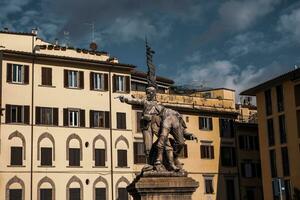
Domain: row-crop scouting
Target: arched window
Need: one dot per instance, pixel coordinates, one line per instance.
(74, 189)
(46, 189)
(100, 188)
(74, 150)
(122, 145)
(17, 148)
(121, 192)
(15, 189)
(99, 151)
(46, 149)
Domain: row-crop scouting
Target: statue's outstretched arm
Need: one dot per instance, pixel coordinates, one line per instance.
(131, 101)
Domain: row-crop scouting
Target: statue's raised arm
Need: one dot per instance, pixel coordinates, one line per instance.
(131, 101)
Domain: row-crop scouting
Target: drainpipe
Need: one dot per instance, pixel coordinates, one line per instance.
(110, 133)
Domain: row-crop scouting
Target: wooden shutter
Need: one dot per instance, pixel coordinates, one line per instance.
(65, 78)
(241, 142)
(212, 152)
(46, 76)
(118, 121)
(55, 116)
(37, 115)
(81, 80)
(106, 82)
(107, 119)
(135, 152)
(91, 118)
(210, 123)
(114, 82)
(202, 149)
(26, 114)
(127, 79)
(26, 74)
(92, 80)
(9, 72)
(122, 158)
(200, 123)
(243, 171)
(123, 120)
(82, 118)
(66, 123)
(7, 113)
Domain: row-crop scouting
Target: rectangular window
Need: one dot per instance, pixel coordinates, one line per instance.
(279, 95)
(74, 156)
(100, 193)
(139, 153)
(15, 194)
(271, 137)
(45, 194)
(297, 95)
(207, 152)
(47, 76)
(121, 120)
(122, 194)
(17, 73)
(16, 156)
(205, 123)
(230, 191)
(138, 121)
(99, 119)
(282, 130)
(228, 158)
(184, 152)
(46, 156)
(226, 128)
(99, 157)
(208, 185)
(248, 143)
(285, 161)
(121, 83)
(268, 102)
(74, 194)
(74, 118)
(46, 116)
(17, 114)
(250, 169)
(122, 158)
(273, 163)
(73, 79)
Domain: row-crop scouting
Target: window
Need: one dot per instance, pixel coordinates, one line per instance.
(228, 158)
(207, 152)
(271, 137)
(100, 193)
(248, 143)
(98, 81)
(45, 194)
(17, 114)
(15, 194)
(268, 102)
(230, 191)
(287, 189)
(17, 73)
(273, 163)
(99, 157)
(184, 152)
(74, 194)
(99, 119)
(138, 121)
(122, 158)
(74, 156)
(205, 123)
(122, 194)
(280, 102)
(121, 120)
(226, 128)
(46, 156)
(282, 130)
(46, 116)
(121, 83)
(208, 181)
(285, 161)
(74, 117)
(250, 169)
(73, 79)
(16, 156)
(46, 76)
(297, 94)
(139, 153)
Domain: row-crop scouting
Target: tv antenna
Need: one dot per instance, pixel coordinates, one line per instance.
(93, 45)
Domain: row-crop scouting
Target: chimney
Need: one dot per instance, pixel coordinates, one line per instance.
(34, 31)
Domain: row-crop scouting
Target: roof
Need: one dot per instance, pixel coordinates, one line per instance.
(143, 75)
(64, 58)
(291, 75)
(18, 33)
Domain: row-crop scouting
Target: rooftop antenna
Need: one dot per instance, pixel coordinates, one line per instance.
(67, 39)
(93, 45)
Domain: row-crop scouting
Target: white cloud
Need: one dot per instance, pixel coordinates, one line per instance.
(290, 24)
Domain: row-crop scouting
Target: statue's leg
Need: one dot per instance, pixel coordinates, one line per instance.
(170, 156)
(161, 144)
(148, 140)
(177, 133)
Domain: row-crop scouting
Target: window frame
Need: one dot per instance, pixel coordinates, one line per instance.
(72, 116)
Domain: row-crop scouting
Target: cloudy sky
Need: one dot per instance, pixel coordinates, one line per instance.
(234, 44)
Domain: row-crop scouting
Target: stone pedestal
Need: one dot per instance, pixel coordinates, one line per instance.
(161, 186)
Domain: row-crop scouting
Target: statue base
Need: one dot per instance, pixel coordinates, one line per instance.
(154, 185)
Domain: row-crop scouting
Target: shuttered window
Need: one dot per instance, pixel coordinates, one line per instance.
(73, 79)
(184, 152)
(226, 128)
(46, 156)
(45, 194)
(99, 157)
(99, 119)
(207, 151)
(139, 153)
(17, 114)
(15, 194)
(205, 123)
(121, 83)
(100, 193)
(74, 117)
(46, 76)
(228, 157)
(121, 120)
(98, 81)
(46, 116)
(209, 186)
(122, 158)
(16, 156)
(74, 157)
(17, 73)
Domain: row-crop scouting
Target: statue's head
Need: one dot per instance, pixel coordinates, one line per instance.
(151, 93)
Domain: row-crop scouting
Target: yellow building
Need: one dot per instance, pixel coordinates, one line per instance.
(64, 135)
(278, 106)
